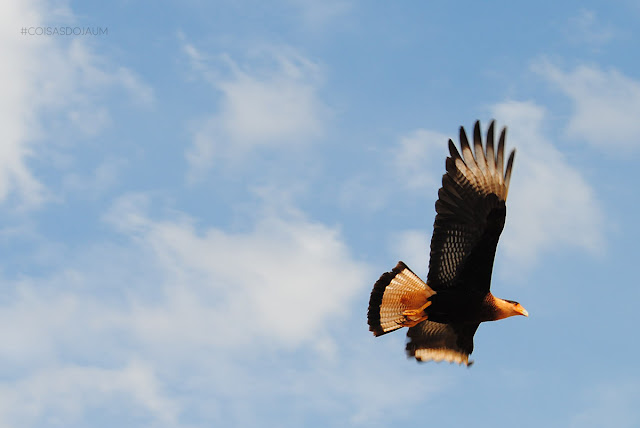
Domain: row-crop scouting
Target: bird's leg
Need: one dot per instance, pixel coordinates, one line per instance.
(415, 316)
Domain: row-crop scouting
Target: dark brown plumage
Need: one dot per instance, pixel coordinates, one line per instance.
(444, 314)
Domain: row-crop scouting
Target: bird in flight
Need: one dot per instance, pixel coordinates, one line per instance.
(444, 313)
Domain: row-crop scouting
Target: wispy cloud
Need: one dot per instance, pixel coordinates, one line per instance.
(550, 205)
(68, 393)
(606, 104)
(103, 177)
(412, 164)
(177, 302)
(418, 158)
(272, 273)
(585, 28)
(272, 101)
(316, 15)
(45, 77)
(412, 247)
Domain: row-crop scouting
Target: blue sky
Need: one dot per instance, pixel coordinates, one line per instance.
(196, 203)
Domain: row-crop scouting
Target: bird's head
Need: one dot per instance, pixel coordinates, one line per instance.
(509, 308)
(519, 310)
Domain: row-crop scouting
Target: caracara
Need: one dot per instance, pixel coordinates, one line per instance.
(444, 314)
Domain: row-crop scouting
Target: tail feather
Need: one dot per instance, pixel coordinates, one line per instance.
(393, 294)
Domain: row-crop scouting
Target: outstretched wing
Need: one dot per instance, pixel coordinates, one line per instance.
(441, 342)
(470, 214)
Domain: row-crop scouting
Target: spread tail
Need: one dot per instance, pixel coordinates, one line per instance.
(399, 299)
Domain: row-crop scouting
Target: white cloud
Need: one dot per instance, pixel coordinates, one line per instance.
(17, 73)
(271, 103)
(419, 155)
(414, 164)
(61, 395)
(606, 104)
(290, 273)
(368, 192)
(194, 304)
(585, 28)
(412, 247)
(316, 14)
(103, 177)
(50, 76)
(550, 204)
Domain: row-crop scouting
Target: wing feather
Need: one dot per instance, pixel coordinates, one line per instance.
(470, 214)
(507, 174)
(477, 148)
(441, 342)
(453, 150)
(467, 154)
(500, 154)
(491, 157)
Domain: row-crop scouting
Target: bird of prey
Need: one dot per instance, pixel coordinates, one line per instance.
(444, 313)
